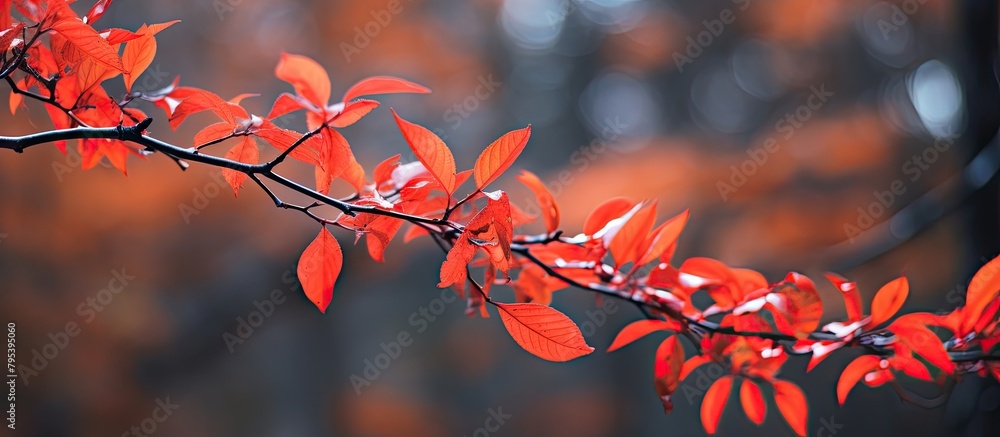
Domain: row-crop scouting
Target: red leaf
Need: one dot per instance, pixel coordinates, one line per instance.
(630, 238)
(282, 139)
(213, 132)
(284, 104)
(792, 404)
(691, 364)
(910, 330)
(803, 308)
(383, 85)
(245, 152)
(309, 79)
(5, 18)
(7, 36)
(888, 300)
(982, 290)
(499, 156)
(139, 53)
(852, 297)
(201, 100)
(640, 328)
(715, 402)
(353, 111)
(354, 174)
(495, 239)
(117, 36)
(454, 269)
(667, 369)
(753, 401)
(88, 41)
(319, 267)
(853, 373)
(663, 237)
(383, 171)
(605, 212)
(431, 151)
(335, 158)
(93, 15)
(543, 331)
(546, 202)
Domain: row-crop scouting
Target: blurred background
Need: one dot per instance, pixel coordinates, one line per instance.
(853, 136)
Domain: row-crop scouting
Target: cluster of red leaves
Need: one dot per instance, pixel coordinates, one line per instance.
(69, 70)
(749, 328)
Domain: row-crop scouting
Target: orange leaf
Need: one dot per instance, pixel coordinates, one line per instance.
(492, 230)
(383, 171)
(628, 241)
(691, 364)
(753, 401)
(803, 308)
(8, 35)
(543, 331)
(663, 237)
(245, 152)
(454, 269)
(715, 402)
(139, 53)
(88, 41)
(431, 151)
(383, 85)
(546, 202)
(853, 373)
(353, 111)
(852, 297)
(201, 100)
(982, 290)
(354, 174)
(285, 104)
(498, 156)
(640, 328)
(213, 132)
(282, 139)
(792, 404)
(667, 369)
(319, 267)
(888, 300)
(335, 157)
(605, 212)
(910, 330)
(95, 13)
(309, 79)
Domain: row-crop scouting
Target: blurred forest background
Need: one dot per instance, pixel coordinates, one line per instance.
(667, 100)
